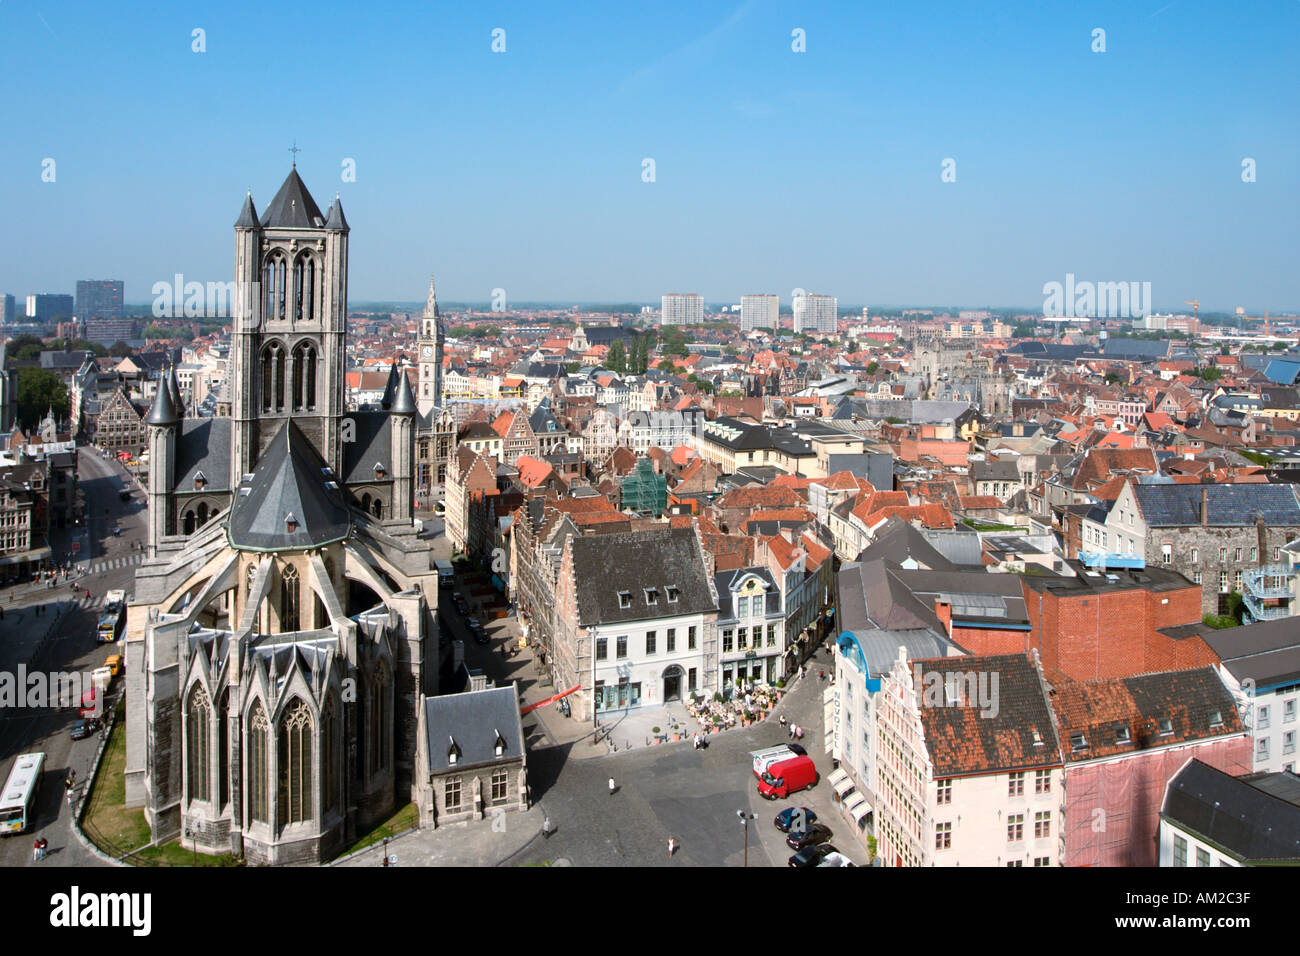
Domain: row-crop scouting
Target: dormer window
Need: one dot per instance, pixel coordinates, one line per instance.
(290, 523)
(1122, 735)
(673, 594)
(1216, 718)
(1078, 741)
(651, 596)
(500, 746)
(1166, 726)
(1038, 739)
(624, 598)
(379, 471)
(200, 480)
(453, 751)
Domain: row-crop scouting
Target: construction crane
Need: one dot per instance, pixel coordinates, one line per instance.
(1196, 307)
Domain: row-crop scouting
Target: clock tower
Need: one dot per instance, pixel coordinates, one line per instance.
(429, 348)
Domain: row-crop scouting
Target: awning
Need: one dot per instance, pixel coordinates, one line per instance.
(836, 778)
(857, 806)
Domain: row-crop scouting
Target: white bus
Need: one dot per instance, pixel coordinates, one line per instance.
(18, 800)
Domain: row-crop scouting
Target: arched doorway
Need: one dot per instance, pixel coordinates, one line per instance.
(672, 683)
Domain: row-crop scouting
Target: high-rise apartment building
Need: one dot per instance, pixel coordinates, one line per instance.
(815, 313)
(7, 308)
(48, 306)
(759, 312)
(678, 309)
(99, 299)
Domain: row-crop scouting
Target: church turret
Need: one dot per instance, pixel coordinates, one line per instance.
(162, 421)
(430, 347)
(402, 415)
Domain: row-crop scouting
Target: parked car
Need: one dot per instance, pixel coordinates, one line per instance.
(787, 777)
(84, 728)
(786, 817)
(834, 857)
(815, 834)
(812, 856)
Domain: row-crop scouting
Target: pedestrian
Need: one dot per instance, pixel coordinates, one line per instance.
(69, 796)
(546, 828)
(782, 720)
(672, 847)
(798, 733)
(790, 730)
(612, 788)
(45, 847)
(821, 675)
(36, 851)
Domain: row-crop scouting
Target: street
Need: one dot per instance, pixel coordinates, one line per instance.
(70, 618)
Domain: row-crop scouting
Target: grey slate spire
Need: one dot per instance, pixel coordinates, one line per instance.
(163, 411)
(335, 219)
(248, 215)
(174, 387)
(390, 388)
(403, 401)
(293, 206)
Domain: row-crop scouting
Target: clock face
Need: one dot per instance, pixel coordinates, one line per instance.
(428, 351)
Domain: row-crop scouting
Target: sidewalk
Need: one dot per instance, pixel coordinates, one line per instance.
(487, 842)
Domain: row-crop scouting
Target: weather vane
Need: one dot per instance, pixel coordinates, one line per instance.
(295, 150)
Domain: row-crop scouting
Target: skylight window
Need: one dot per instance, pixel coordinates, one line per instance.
(1078, 741)
(1216, 719)
(1122, 735)
(1166, 726)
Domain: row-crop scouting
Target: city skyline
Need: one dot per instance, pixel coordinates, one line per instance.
(524, 170)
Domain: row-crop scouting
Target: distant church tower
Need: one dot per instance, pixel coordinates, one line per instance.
(287, 353)
(430, 348)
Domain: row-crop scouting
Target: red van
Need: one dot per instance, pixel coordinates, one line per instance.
(787, 777)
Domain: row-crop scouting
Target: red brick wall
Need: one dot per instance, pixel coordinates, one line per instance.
(981, 640)
(1114, 634)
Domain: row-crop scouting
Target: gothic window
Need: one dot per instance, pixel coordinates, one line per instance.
(365, 503)
(203, 513)
(187, 523)
(273, 359)
(329, 760)
(273, 284)
(378, 508)
(223, 750)
(198, 744)
(288, 599)
(379, 724)
(304, 288)
(304, 377)
(258, 766)
(295, 764)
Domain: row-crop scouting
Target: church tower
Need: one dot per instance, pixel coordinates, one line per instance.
(287, 355)
(429, 347)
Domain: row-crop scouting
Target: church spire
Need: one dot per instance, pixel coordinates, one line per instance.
(431, 303)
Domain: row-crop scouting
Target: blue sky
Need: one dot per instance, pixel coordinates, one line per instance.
(522, 170)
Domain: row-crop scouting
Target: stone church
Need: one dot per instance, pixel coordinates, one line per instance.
(281, 637)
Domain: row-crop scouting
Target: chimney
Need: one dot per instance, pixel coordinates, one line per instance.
(943, 610)
(1205, 505)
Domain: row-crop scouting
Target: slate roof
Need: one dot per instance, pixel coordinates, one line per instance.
(474, 720)
(897, 540)
(1232, 505)
(964, 739)
(290, 479)
(1267, 652)
(724, 580)
(604, 565)
(293, 206)
(1255, 817)
(203, 446)
(372, 443)
(1123, 714)
(163, 411)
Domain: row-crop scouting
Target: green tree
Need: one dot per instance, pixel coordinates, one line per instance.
(24, 348)
(573, 367)
(616, 361)
(120, 349)
(39, 390)
(873, 368)
(1113, 378)
(1209, 374)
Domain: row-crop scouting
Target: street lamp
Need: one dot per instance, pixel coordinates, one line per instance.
(745, 818)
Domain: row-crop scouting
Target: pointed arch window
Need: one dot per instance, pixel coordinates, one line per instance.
(289, 599)
(379, 724)
(198, 745)
(223, 750)
(295, 788)
(258, 764)
(187, 522)
(305, 293)
(304, 377)
(329, 759)
(274, 275)
(273, 361)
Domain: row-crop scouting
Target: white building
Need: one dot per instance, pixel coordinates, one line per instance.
(815, 313)
(678, 309)
(759, 312)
